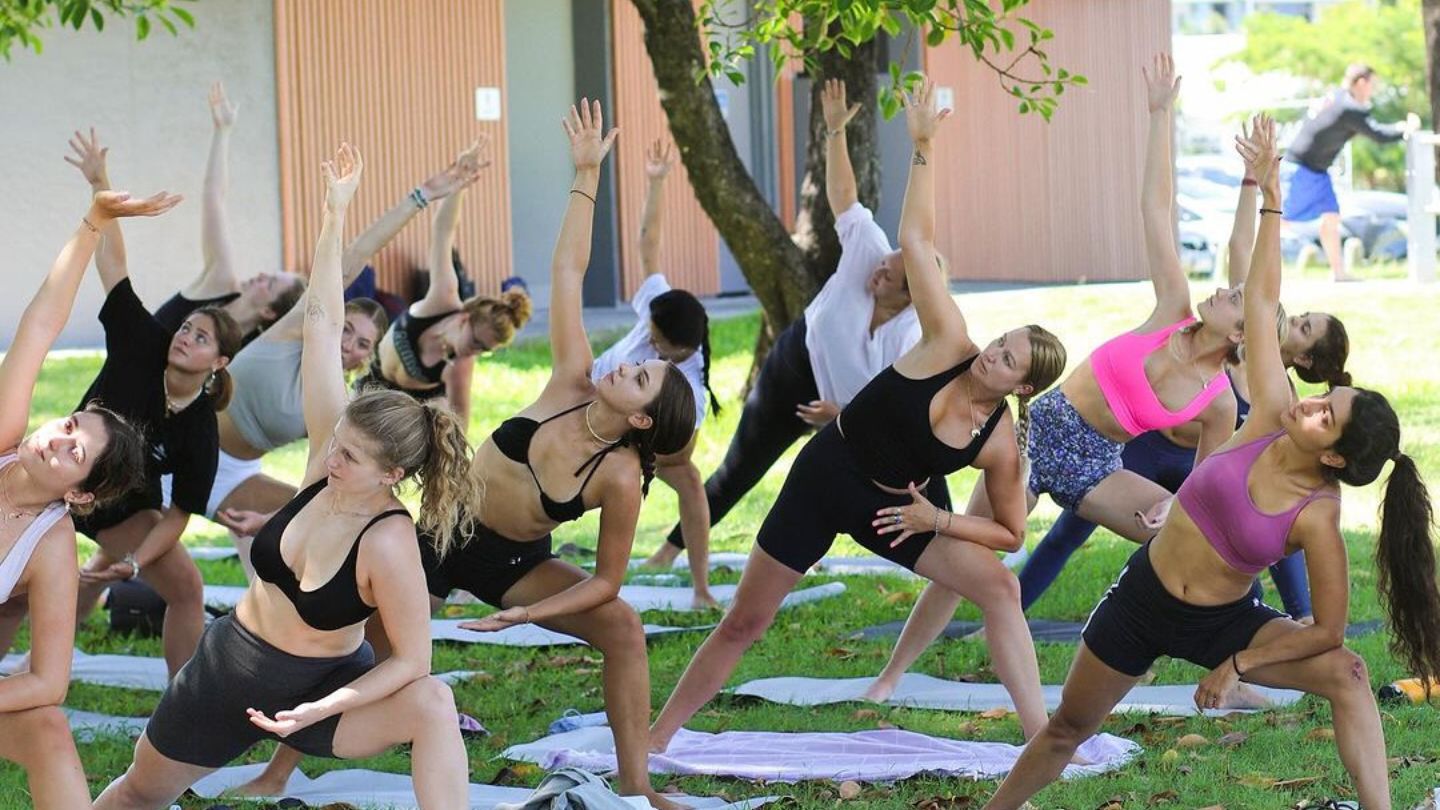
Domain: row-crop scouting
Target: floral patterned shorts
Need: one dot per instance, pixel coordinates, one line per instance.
(1068, 457)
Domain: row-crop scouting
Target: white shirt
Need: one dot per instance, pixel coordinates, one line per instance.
(636, 347)
(843, 353)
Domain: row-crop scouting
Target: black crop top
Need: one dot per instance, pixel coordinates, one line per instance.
(405, 334)
(513, 438)
(332, 606)
(887, 425)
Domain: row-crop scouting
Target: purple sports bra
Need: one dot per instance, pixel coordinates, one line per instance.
(1216, 496)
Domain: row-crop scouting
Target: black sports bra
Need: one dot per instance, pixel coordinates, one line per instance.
(332, 606)
(406, 333)
(888, 426)
(513, 438)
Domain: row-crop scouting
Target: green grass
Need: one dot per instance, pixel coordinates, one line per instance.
(1393, 351)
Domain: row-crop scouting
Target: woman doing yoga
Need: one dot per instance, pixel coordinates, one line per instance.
(859, 323)
(674, 327)
(1169, 371)
(940, 407)
(1270, 490)
(427, 351)
(68, 464)
(291, 662)
(1316, 346)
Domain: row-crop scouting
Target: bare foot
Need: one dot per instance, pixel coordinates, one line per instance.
(658, 745)
(659, 802)
(879, 690)
(704, 601)
(262, 785)
(1245, 696)
(663, 558)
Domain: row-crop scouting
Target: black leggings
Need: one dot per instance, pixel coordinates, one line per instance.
(768, 424)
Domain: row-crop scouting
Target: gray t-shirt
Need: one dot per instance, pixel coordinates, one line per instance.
(268, 406)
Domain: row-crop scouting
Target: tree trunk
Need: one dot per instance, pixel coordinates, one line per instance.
(1430, 18)
(783, 272)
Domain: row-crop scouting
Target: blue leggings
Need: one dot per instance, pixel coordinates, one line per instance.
(1155, 457)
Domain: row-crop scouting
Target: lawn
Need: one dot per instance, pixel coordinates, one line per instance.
(1393, 351)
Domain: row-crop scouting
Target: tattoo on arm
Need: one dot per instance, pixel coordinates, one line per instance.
(314, 310)
(919, 159)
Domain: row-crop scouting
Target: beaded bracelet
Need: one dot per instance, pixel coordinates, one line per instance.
(417, 196)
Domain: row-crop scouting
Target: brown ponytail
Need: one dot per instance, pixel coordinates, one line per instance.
(1328, 356)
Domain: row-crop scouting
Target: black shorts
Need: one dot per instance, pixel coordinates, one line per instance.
(826, 494)
(484, 562)
(201, 718)
(1137, 621)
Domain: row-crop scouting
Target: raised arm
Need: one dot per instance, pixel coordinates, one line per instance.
(443, 294)
(940, 320)
(45, 317)
(320, 370)
(1242, 232)
(91, 158)
(217, 276)
(1157, 197)
(589, 144)
(840, 188)
(658, 161)
(1264, 369)
(460, 174)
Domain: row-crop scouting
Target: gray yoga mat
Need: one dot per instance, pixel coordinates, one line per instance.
(1048, 630)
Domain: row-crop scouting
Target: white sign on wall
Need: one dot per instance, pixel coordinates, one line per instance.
(487, 104)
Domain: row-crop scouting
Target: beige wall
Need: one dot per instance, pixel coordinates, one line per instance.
(148, 102)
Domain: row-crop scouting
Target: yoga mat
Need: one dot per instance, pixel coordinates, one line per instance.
(374, 789)
(89, 725)
(926, 692)
(828, 565)
(1050, 630)
(882, 755)
(640, 597)
(212, 552)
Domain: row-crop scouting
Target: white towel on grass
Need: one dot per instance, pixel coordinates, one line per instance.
(374, 789)
(212, 552)
(926, 692)
(882, 755)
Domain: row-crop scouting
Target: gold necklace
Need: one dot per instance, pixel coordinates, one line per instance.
(8, 514)
(170, 405)
(970, 398)
(1190, 365)
(591, 428)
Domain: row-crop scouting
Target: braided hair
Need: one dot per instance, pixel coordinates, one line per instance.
(672, 415)
(682, 320)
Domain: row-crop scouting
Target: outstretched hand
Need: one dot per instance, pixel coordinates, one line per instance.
(243, 522)
(832, 102)
(289, 721)
(342, 177)
(1257, 147)
(461, 173)
(1161, 83)
(499, 620)
(108, 205)
(222, 111)
(659, 159)
(585, 127)
(921, 117)
(917, 516)
(89, 158)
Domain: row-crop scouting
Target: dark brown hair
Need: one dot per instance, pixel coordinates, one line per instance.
(1405, 553)
(120, 467)
(284, 301)
(1328, 356)
(228, 342)
(672, 412)
(682, 319)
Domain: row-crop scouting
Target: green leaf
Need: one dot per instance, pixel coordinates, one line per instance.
(935, 37)
(1024, 107)
(97, 18)
(169, 26)
(1008, 37)
(142, 27)
(184, 16)
(1076, 78)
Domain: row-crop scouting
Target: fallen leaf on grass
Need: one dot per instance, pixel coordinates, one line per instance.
(865, 714)
(1214, 807)
(849, 790)
(1170, 755)
(1322, 734)
(1192, 741)
(994, 714)
(1256, 780)
(1232, 739)
(1297, 782)
(899, 596)
(1163, 797)
(944, 803)
(843, 653)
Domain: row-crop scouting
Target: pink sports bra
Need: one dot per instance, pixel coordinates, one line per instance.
(1216, 496)
(1119, 366)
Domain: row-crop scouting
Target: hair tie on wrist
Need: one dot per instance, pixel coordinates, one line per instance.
(1276, 211)
(1249, 181)
(583, 194)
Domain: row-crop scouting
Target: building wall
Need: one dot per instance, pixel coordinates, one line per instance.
(1023, 200)
(540, 72)
(690, 248)
(399, 81)
(147, 101)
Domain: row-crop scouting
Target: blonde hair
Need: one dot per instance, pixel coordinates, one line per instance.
(1047, 363)
(427, 441)
(506, 314)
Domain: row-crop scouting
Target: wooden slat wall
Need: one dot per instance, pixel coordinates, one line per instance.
(690, 247)
(397, 80)
(1020, 199)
